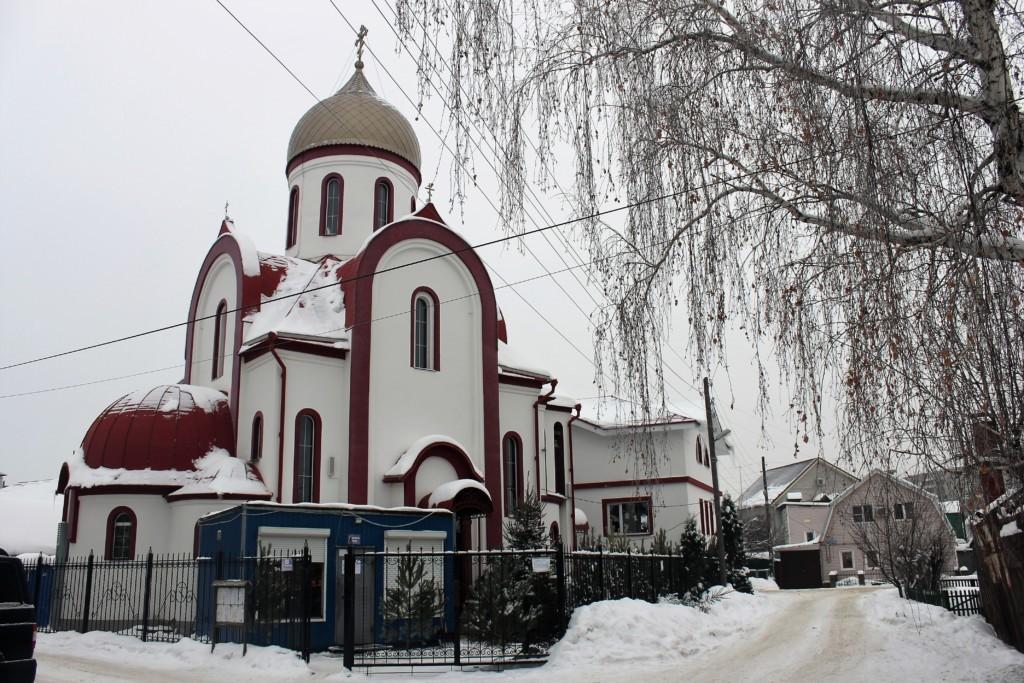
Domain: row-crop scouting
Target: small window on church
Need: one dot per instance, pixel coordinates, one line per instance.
(425, 322)
(330, 203)
(512, 466)
(293, 218)
(220, 334)
(121, 526)
(256, 446)
(307, 458)
(559, 459)
(383, 203)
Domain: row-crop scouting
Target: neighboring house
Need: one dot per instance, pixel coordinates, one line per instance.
(367, 365)
(884, 522)
(798, 494)
(618, 493)
(949, 488)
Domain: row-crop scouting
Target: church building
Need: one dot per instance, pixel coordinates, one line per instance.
(368, 365)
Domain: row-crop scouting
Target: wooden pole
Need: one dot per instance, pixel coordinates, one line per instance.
(719, 537)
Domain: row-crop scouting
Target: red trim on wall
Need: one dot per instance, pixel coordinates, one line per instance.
(357, 281)
(72, 507)
(514, 436)
(282, 402)
(555, 498)
(220, 496)
(559, 409)
(352, 150)
(125, 489)
(318, 430)
(297, 345)
(605, 502)
(109, 544)
(377, 223)
(247, 298)
(450, 453)
(323, 203)
(522, 381)
(435, 307)
(644, 482)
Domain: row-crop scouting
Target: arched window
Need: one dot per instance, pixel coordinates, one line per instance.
(559, 459)
(307, 458)
(412, 204)
(425, 336)
(256, 443)
(121, 528)
(512, 469)
(383, 203)
(293, 218)
(220, 334)
(330, 205)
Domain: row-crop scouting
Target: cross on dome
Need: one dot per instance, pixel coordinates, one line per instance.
(360, 44)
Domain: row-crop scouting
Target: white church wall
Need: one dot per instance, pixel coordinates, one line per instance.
(260, 391)
(359, 175)
(183, 515)
(432, 473)
(516, 415)
(221, 284)
(151, 515)
(319, 384)
(407, 403)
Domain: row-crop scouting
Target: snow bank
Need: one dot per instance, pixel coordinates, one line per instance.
(763, 584)
(29, 513)
(626, 631)
(920, 638)
(225, 663)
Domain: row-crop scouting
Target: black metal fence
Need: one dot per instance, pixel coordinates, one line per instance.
(405, 608)
(170, 597)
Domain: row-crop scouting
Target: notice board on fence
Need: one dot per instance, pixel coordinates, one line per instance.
(230, 602)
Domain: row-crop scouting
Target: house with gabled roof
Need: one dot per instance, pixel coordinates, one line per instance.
(799, 494)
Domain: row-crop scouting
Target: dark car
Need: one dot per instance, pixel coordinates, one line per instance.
(17, 624)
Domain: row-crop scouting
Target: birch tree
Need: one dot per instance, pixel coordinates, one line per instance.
(842, 180)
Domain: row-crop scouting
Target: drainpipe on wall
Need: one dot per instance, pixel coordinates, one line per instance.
(536, 430)
(272, 339)
(572, 477)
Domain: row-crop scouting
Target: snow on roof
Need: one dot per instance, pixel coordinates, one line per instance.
(807, 545)
(777, 478)
(218, 472)
(250, 257)
(407, 459)
(162, 401)
(562, 401)
(29, 513)
(450, 489)
(609, 412)
(510, 360)
(951, 506)
(318, 313)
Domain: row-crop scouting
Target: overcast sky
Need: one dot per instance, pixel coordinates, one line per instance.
(125, 126)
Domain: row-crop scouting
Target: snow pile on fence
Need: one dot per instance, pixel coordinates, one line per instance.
(622, 631)
(29, 513)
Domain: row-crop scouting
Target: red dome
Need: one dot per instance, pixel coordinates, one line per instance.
(165, 428)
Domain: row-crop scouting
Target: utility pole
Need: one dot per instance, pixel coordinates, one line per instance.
(767, 512)
(720, 538)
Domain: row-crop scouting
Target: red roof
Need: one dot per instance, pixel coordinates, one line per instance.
(164, 428)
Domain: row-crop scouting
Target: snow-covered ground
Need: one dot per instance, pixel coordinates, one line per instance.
(842, 635)
(29, 513)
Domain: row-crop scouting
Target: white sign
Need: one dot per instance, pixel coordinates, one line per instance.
(286, 564)
(541, 564)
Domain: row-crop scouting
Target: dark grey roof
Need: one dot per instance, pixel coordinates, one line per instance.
(778, 478)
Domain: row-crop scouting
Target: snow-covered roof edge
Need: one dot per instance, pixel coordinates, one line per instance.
(407, 459)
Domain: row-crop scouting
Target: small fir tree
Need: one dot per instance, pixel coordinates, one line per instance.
(735, 553)
(412, 603)
(525, 528)
(693, 548)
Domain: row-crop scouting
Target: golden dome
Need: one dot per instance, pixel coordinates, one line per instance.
(355, 115)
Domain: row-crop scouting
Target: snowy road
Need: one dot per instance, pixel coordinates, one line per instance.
(843, 636)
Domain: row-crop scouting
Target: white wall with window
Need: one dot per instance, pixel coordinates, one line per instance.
(213, 338)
